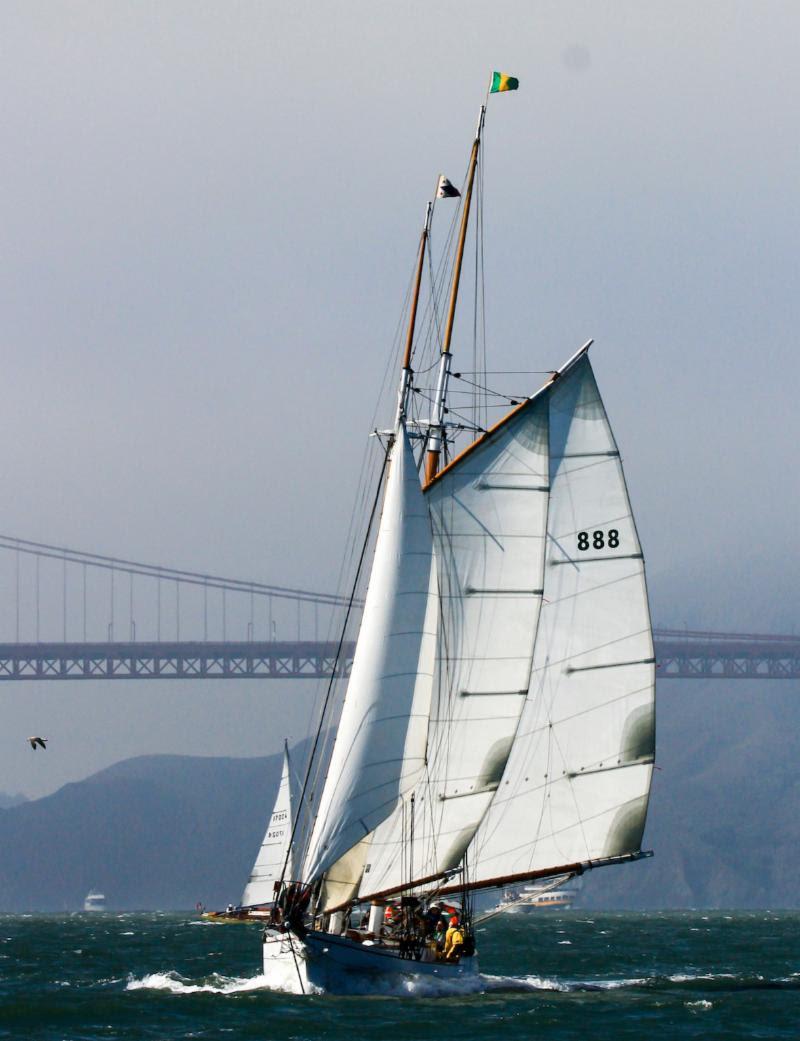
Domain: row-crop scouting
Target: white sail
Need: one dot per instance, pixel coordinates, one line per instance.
(489, 511)
(380, 744)
(271, 859)
(577, 782)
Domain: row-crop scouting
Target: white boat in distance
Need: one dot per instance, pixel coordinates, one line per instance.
(498, 723)
(94, 901)
(535, 898)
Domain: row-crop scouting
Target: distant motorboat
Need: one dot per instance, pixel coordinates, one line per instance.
(536, 898)
(94, 901)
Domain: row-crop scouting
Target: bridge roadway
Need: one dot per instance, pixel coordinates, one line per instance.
(680, 654)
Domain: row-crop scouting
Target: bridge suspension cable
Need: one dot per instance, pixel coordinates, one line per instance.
(134, 567)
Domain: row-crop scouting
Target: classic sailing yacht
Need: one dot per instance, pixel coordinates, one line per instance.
(498, 724)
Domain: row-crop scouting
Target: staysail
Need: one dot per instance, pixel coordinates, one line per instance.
(577, 783)
(489, 512)
(271, 859)
(380, 744)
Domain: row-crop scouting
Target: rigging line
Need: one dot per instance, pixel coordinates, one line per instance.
(487, 390)
(475, 290)
(437, 282)
(435, 273)
(366, 469)
(336, 661)
(510, 372)
(433, 293)
(468, 423)
(483, 274)
(296, 966)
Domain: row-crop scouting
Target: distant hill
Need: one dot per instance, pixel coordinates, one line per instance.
(151, 832)
(166, 831)
(724, 818)
(7, 799)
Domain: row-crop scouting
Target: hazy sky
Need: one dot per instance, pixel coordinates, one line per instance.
(209, 216)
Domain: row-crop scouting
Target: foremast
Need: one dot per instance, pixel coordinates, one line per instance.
(407, 373)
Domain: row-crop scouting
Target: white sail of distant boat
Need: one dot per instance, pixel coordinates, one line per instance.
(275, 855)
(498, 725)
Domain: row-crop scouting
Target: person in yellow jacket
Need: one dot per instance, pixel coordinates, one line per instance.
(453, 941)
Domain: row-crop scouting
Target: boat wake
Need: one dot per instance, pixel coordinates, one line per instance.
(427, 987)
(216, 983)
(412, 987)
(416, 987)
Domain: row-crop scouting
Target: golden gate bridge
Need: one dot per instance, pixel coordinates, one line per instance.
(81, 616)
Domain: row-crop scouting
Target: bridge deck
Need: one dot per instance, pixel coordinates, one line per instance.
(686, 655)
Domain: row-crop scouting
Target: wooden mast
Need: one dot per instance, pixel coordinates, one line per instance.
(436, 435)
(405, 378)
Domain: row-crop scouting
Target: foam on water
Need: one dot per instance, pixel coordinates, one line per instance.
(214, 984)
(431, 987)
(412, 986)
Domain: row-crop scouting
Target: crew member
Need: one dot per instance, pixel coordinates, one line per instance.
(453, 941)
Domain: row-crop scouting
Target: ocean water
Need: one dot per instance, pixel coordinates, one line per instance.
(553, 975)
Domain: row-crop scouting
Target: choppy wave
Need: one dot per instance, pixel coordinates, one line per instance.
(213, 984)
(429, 987)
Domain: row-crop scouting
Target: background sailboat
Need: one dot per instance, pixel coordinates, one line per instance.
(276, 854)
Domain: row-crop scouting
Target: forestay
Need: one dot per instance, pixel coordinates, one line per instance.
(577, 782)
(380, 744)
(488, 511)
(269, 865)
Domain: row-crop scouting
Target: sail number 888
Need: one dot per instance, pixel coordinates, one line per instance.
(599, 539)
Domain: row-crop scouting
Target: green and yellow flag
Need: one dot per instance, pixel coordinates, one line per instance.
(502, 81)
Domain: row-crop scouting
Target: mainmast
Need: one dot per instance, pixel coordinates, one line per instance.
(436, 434)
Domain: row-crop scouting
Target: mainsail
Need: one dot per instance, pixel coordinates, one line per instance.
(577, 782)
(380, 744)
(272, 857)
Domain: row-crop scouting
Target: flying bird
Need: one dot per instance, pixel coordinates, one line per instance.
(40, 741)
